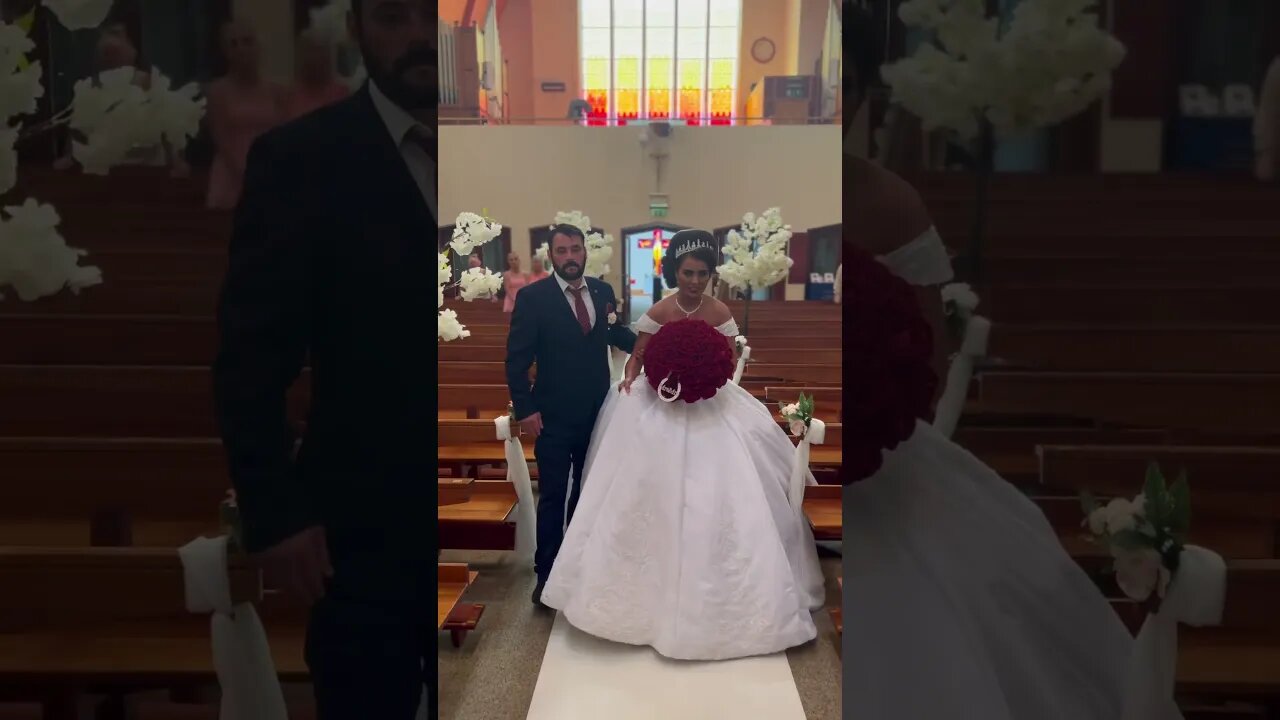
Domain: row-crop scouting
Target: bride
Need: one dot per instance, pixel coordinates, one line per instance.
(683, 538)
(962, 602)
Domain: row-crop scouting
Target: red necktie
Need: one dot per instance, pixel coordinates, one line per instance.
(580, 307)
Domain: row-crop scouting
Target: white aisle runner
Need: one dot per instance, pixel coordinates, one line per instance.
(586, 678)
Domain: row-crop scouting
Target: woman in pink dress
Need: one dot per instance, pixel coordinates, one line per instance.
(512, 281)
(316, 84)
(242, 106)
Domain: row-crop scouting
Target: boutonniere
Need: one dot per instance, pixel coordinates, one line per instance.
(612, 316)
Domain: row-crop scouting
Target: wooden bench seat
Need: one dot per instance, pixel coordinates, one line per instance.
(1236, 402)
(1128, 305)
(484, 522)
(452, 582)
(1137, 348)
(55, 339)
(116, 617)
(822, 505)
(120, 401)
(110, 491)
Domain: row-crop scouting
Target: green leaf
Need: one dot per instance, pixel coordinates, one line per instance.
(1154, 492)
(1180, 514)
(1088, 503)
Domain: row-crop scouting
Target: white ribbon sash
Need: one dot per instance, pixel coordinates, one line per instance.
(742, 362)
(1195, 597)
(977, 332)
(816, 434)
(518, 475)
(241, 655)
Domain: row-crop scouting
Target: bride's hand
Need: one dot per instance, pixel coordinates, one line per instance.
(625, 385)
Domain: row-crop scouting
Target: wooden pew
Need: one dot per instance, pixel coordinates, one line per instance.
(484, 521)
(121, 401)
(1137, 348)
(110, 491)
(452, 614)
(171, 297)
(822, 505)
(1128, 305)
(115, 619)
(55, 339)
(1229, 402)
(1118, 268)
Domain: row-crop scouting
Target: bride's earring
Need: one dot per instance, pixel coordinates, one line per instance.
(663, 390)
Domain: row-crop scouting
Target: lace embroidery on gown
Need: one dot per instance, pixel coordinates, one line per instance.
(647, 324)
(923, 261)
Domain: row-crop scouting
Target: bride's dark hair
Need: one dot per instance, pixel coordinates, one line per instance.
(671, 259)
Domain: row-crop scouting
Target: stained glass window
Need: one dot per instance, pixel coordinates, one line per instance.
(660, 59)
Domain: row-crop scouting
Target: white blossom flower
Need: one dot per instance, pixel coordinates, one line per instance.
(543, 254)
(34, 258)
(443, 276)
(479, 283)
(962, 295)
(1098, 521)
(599, 251)
(755, 256)
(448, 328)
(470, 231)
(612, 318)
(1050, 63)
(174, 113)
(1140, 572)
(789, 410)
(79, 14)
(1119, 515)
(20, 87)
(329, 21)
(14, 47)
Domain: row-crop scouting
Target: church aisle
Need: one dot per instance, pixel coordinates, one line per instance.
(584, 677)
(495, 674)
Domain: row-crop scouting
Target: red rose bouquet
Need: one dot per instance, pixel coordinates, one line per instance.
(889, 348)
(688, 355)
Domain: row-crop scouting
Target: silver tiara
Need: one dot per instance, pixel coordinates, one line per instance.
(695, 245)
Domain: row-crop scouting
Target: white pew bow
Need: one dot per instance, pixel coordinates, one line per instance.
(241, 655)
(800, 476)
(518, 475)
(1195, 597)
(977, 332)
(743, 357)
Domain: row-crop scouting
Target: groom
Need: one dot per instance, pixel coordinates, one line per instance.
(565, 323)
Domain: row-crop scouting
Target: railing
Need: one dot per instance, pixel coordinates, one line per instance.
(448, 64)
(703, 122)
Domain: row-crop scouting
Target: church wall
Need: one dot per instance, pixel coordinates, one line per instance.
(551, 35)
(522, 175)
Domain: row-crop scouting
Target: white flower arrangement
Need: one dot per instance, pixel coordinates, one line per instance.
(479, 284)
(599, 246)
(111, 118)
(797, 414)
(755, 257)
(1145, 536)
(1051, 62)
(470, 231)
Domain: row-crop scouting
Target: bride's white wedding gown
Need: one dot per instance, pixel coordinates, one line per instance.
(683, 538)
(960, 601)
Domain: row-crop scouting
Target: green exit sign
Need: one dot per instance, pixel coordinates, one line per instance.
(658, 211)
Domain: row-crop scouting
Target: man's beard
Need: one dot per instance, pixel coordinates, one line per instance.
(569, 271)
(392, 84)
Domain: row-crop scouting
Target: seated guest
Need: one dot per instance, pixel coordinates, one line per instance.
(317, 83)
(242, 105)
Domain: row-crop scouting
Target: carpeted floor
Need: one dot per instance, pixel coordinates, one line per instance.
(492, 676)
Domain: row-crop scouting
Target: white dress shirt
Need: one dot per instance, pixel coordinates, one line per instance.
(573, 303)
(400, 123)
